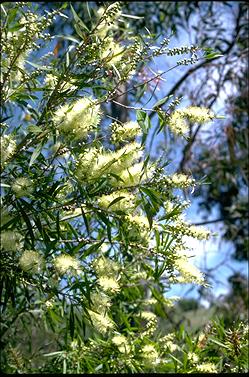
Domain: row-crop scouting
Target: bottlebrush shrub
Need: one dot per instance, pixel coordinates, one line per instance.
(91, 228)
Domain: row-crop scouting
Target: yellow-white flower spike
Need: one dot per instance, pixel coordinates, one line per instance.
(178, 124)
(150, 301)
(124, 132)
(133, 176)
(77, 120)
(149, 353)
(193, 357)
(102, 323)
(51, 81)
(179, 181)
(199, 232)
(138, 229)
(122, 158)
(182, 227)
(94, 163)
(171, 346)
(105, 267)
(108, 284)
(189, 273)
(149, 316)
(111, 52)
(128, 154)
(85, 163)
(22, 187)
(67, 264)
(121, 342)
(206, 368)
(10, 240)
(177, 120)
(151, 324)
(31, 261)
(126, 202)
(101, 302)
(198, 114)
(7, 148)
(107, 19)
(140, 221)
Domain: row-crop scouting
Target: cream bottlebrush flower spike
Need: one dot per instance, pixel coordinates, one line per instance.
(179, 181)
(76, 121)
(51, 81)
(177, 123)
(31, 261)
(17, 41)
(133, 175)
(86, 160)
(189, 273)
(138, 229)
(127, 156)
(198, 114)
(95, 162)
(7, 148)
(124, 132)
(150, 353)
(67, 264)
(101, 322)
(101, 302)
(125, 204)
(10, 240)
(107, 272)
(151, 324)
(206, 368)
(111, 52)
(22, 187)
(108, 284)
(177, 120)
(121, 342)
(105, 266)
(107, 18)
(182, 227)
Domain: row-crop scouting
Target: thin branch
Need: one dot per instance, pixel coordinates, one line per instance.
(218, 220)
(132, 107)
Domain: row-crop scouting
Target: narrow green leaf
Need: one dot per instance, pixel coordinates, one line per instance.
(218, 343)
(107, 223)
(71, 322)
(42, 67)
(34, 129)
(213, 55)
(115, 201)
(78, 19)
(27, 221)
(67, 37)
(88, 10)
(67, 59)
(141, 115)
(35, 153)
(116, 70)
(162, 101)
(64, 366)
(149, 214)
(131, 16)
(85, 221)
(56, 353)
